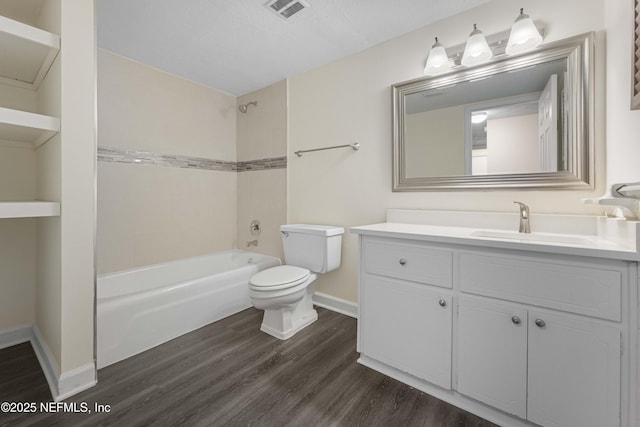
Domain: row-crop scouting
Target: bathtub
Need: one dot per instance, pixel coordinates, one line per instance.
(141, 308)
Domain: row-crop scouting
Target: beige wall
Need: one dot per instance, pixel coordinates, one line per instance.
(17, 272)
(49, 187)
(18, 175)
(17, 236)
(350, 101)
(146, 213)
(48, 295)
(434, 143)
(78, 167)
(262, 194)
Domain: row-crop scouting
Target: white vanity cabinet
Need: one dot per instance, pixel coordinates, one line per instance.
(565, 366)
(406, 311)
(408, 326)
(492, 354)
(552, 369)
(518, 336)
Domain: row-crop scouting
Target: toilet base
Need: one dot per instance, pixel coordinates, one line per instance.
(284, 334)
(285, 321)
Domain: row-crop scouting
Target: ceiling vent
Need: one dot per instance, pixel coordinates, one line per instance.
(286, 8)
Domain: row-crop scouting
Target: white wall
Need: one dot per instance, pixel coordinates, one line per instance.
(149, 214)
(350, 101)
(506, 154)
(623, 125)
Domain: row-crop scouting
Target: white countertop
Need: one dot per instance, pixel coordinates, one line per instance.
(590, 245)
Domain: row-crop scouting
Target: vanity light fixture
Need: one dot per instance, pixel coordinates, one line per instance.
(437, 61)
(477, 49)
(477, 118)
(524, 35)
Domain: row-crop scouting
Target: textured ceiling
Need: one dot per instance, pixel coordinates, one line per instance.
(239, 46)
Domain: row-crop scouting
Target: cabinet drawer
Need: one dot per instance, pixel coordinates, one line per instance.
(408, 261)
(576, 289)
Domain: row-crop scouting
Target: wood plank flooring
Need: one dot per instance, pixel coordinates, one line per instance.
(231, 374)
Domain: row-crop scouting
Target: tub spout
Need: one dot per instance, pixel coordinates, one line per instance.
(252, 243)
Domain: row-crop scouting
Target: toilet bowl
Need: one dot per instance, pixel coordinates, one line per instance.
(285, 292)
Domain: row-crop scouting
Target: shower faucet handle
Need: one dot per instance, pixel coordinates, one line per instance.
(255, 227)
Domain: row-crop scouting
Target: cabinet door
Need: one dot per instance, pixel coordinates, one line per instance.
(574, 372)
(408, 327)
(492, 354)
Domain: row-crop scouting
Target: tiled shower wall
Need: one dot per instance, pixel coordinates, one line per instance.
(262, 192)
(170, 175)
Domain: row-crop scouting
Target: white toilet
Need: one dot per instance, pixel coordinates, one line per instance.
(285, 292)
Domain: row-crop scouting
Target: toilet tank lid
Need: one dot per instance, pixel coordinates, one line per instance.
(323, 230)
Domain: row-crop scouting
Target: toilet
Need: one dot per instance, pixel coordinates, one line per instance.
(285, 292)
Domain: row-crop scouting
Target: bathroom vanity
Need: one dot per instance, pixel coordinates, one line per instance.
(538, 329)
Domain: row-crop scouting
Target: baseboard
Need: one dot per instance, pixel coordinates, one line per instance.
(336, 304)
(48, 363)
(15, 336)
(76, 380)
(70, 382)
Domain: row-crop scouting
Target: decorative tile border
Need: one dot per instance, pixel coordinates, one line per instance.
(117, 155)
(262, 164)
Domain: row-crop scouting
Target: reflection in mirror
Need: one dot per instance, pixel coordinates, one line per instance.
(519, 119)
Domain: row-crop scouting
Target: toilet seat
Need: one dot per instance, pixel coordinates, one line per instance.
(278, 278)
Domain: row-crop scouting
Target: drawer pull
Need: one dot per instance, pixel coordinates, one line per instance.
(442, 303)
(403, 261)
(515, 320)
(540, 323)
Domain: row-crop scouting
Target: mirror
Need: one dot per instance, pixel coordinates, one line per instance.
(516, 122)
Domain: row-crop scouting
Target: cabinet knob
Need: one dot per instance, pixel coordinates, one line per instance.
(540, 323)
(442, 303)
(403, 261)
(515, 320)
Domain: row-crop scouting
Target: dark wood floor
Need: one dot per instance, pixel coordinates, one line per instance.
(231, 374)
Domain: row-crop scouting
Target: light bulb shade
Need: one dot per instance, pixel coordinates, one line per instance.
(437, 61)
(477, 50)
(524, 36)
(477, 118)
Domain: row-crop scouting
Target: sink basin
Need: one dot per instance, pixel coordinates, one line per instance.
(532, 237)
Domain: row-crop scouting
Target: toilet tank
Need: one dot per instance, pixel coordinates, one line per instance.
(315, 247)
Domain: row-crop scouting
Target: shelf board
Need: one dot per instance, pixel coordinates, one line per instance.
(29, 209)
(27, 53)
(24, 127)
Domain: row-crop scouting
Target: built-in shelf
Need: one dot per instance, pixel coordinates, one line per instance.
(29, 209)
(24, 127)
(27, 53)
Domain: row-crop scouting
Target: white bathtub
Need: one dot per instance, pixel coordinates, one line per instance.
(140, 308)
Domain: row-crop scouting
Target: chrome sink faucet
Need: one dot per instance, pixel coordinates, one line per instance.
(525, 226)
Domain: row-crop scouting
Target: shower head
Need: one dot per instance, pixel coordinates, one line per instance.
(243, 108)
